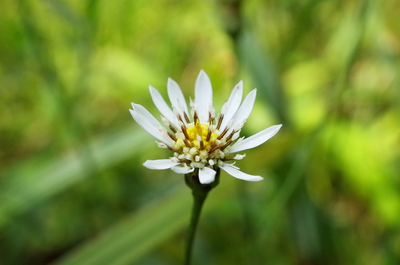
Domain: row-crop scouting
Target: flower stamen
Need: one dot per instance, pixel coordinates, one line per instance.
(183, 128)
(221, 117)
(228, 158)
(187, 143)
(208, 134)
(226, 145)
(172, 137)
(210, 118)
(223, 133)
(172, 149)
(215, 147)
(195, 117)
(172, 128)
(186, 117)
(180, 118)
(201, 143)
(230, 135)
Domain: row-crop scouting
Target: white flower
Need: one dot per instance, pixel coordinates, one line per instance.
(199, 139)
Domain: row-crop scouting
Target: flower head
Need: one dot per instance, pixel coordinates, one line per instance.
(199, 139)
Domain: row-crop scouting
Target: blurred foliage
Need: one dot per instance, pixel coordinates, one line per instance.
(72, 186)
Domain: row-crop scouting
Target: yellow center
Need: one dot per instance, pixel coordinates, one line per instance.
(196, 134)
(200, 132)
(198, 145)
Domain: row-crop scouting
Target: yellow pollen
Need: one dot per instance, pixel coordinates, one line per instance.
(198, 129)
(199, 145)
(199, 132)
(196, 133)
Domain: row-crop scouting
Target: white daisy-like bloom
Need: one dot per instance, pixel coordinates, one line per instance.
(199, 139)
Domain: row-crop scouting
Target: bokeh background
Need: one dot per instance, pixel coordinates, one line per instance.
(72, 186)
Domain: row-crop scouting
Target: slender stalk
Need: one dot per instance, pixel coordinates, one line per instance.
(200, 192)
(198, 201)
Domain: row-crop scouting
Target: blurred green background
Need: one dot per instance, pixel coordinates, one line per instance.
(72, 186)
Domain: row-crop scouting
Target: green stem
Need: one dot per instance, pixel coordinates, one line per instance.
(200, 192)
(198, 200)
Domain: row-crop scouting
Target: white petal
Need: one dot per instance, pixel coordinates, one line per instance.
(159, 164)
(203, 96)
(176, 96)
(182, 170)
(232, 104)
(144, 118)
(245, 109)
(162, 106)
(255, 140)
(235, 172)
(206, 175)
